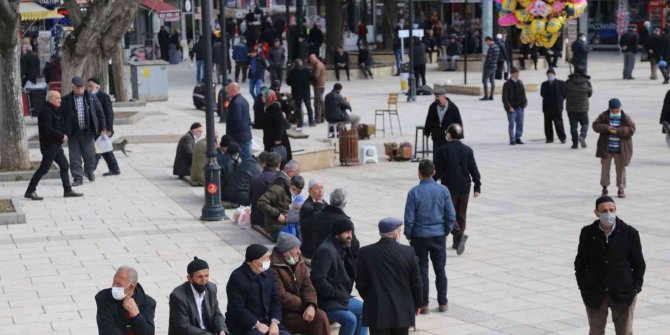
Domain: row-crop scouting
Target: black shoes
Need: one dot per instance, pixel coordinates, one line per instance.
(549, 141)
(562, 141)
(518, 141)
(32, 196)
(111, 173)
(90, 175)
(77, 182)
(72, 194)
(582, 141)
(485, 98)
(461, 244)
(574, 145)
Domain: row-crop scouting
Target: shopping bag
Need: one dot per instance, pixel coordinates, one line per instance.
(103, 144)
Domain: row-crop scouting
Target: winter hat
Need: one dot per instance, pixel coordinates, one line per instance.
(196, 265)
(254, 252)
(233, 148)
(341, 226)
(551, 70)
(615, 103)
(286, 242)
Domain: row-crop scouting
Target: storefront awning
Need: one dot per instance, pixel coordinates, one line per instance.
(164, 10)
(31, 11)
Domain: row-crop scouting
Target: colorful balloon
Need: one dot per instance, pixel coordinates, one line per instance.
(508, 5)
(537, 27)
(507, 20)
(554, 25)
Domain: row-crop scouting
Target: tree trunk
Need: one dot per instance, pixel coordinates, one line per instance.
(389, 18)
(120, 89)
(13, 143)
(97, 33)
(334, 35)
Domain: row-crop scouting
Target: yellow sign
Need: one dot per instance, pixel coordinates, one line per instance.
(146, 72)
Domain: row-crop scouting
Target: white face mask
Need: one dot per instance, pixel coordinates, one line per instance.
(551, 77)
(265, 265)
(607, 218)
(583, 39)
(118, 293)
(291, 261)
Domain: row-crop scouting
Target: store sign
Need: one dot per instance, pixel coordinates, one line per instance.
(49, 3)
(169, 16)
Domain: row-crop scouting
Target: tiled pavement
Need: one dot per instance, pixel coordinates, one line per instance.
(516, 276)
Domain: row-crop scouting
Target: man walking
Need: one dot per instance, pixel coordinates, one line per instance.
(654, 48)
(490, 65)
(299, 78)
(577, 92)
(628, 44)
(238, 122)
(610, 269)
(580, 52)
(552, 106)
(429, 217)
(456, 168)
(389, 282)
(441, 113)
(616, 130)
(257, 67)
(84, 121)
(319, 83)
(52, 137)
(514, 102)
(93, 86)
(241, 58)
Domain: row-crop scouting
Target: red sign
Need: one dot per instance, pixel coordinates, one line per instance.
(212, 188)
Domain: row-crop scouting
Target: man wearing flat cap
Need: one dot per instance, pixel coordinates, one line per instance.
(298, 296)
(616, 130)
(389, 282)
(441, 113)
(610, 269)
(84, 122)
(333, 275)
(254, 306)
(194, 307)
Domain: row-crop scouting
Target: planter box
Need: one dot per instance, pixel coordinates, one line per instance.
(17, 216)
(25, 175)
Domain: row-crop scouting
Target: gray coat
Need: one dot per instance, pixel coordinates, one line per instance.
(184, 317)
(577, 92)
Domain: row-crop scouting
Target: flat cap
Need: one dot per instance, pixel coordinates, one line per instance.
(387, 225)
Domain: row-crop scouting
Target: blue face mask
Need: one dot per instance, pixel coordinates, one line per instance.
(607, 219)
(551, 77)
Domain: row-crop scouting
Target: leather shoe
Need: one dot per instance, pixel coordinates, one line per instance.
(424, 310)
(33, 196)
(443, 308)
(461, 245)
(621, 193)
(484, 99)
(90, 175)
(111, 173)
(518, 141)
(72, 194)
(77, 182)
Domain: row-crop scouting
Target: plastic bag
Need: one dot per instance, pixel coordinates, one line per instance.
(103, 144)
(242, 217)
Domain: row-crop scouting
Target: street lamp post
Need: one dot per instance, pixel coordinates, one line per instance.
(412, 79)
(212, 210)
(223, 96)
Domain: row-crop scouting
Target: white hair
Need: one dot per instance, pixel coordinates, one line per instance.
(338, 197)
(132, 273)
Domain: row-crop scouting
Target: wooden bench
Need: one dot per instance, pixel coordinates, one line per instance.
(391, 109)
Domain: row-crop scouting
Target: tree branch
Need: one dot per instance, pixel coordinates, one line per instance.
(74, 12)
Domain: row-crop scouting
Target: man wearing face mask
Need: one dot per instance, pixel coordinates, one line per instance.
(610, 269)
(616, 130)
(125, 308)
(298, 296)
(254, 305)
(552, 106)
(194, 307)
(389, 282)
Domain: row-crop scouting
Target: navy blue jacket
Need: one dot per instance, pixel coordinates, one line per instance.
(552, 95)
(238, 121)
(251, 298)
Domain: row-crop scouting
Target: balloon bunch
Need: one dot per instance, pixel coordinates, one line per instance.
(540, 21)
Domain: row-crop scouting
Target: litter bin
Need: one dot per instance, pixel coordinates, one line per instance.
(149, 80)
(404, 76)
(36, 95)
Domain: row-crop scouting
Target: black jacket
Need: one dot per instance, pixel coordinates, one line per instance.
(309, 239)
(50, 125)
(336, 107)
(239, 183)
(665, 112)
(389, 282)
(274, 127)
(503, 50)
(259, 186)
(238, 121)
(321, 226)
(95, 117)
(364, 57)
(580, 53)
(111, 316)
(277, 57)
(615, 265)
(107, 110)
(437, 130)
(419, 53)
(666, 46)
(654, 46)
(514, 95)
(629, 40)
(341, 59)
(577, 92)
(315, 37)
(552, 95)
(299, 78)
(455, 166)
(251, 298)
(333, 268)
(184, 317)
(30, 67)
(198, 50)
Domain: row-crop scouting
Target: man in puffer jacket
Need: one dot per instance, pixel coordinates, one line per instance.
(577, 92)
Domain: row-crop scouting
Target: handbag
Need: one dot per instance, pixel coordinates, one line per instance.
(281, 150)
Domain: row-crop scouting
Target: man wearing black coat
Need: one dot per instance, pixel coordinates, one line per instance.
(84, 122)
(312, 205)
(164, 43)
(665, 114)
(30, 67)
(239, 183)
(552, 106)
(580, 52)
(609, 268)
(52, 137)
(502, 58)
(628, 43)
(315, 39)
(93, 86)
(183, 159)
(254, 305)
(654, 48)
(125, 308)
(341, 60)
(238, 120)
(336, 108)
(194, 307)
(389, 282)
(299, 78)
(322, 222)
(441, 113)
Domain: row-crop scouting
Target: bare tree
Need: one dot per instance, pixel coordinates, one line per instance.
(13, 143)
(334, 36)
(96, 36)
(389, 18)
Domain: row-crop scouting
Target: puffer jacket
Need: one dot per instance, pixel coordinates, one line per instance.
(274, 202)
(577, 92)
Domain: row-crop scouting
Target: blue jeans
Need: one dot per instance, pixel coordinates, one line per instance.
(515, 117)
(255, 87)
(245, 150)
(435, 247)
(199, 64)
(351, 319)
(398, 59)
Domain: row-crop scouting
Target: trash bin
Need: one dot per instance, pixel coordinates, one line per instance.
(404, 76)
(149, 80)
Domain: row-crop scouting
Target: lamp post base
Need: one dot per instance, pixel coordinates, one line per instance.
(213, 210)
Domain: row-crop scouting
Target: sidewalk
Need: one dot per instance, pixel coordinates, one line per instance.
(515, 277)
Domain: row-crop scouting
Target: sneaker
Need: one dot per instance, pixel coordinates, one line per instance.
(605, 191)
(518, 141)
(72, 194)
(443, 308)
(582, 141)
(77, 182)
(461, 245)
(621, 193)
(111, 173)
(32, 196)
(424, 310)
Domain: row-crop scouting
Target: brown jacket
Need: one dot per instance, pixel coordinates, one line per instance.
(294, 287)
(319, 72)
(625, 131)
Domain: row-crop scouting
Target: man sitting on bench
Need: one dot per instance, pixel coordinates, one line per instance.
(336, 108)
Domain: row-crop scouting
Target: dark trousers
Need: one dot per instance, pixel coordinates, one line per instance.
(51, 153)
(461, 205)
(420, 72)
(552, 59)
(390, 331)
(337, 71)
(365, 68)
(318, 104)
(299, 100)
(110, 159)
(276, 73)
(575, 120)
(499, 70)
(240, 66)
(435, 248)
(488, 77)
(553, 119)
(80, 145)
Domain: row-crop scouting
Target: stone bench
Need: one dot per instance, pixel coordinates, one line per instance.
(477, 89)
